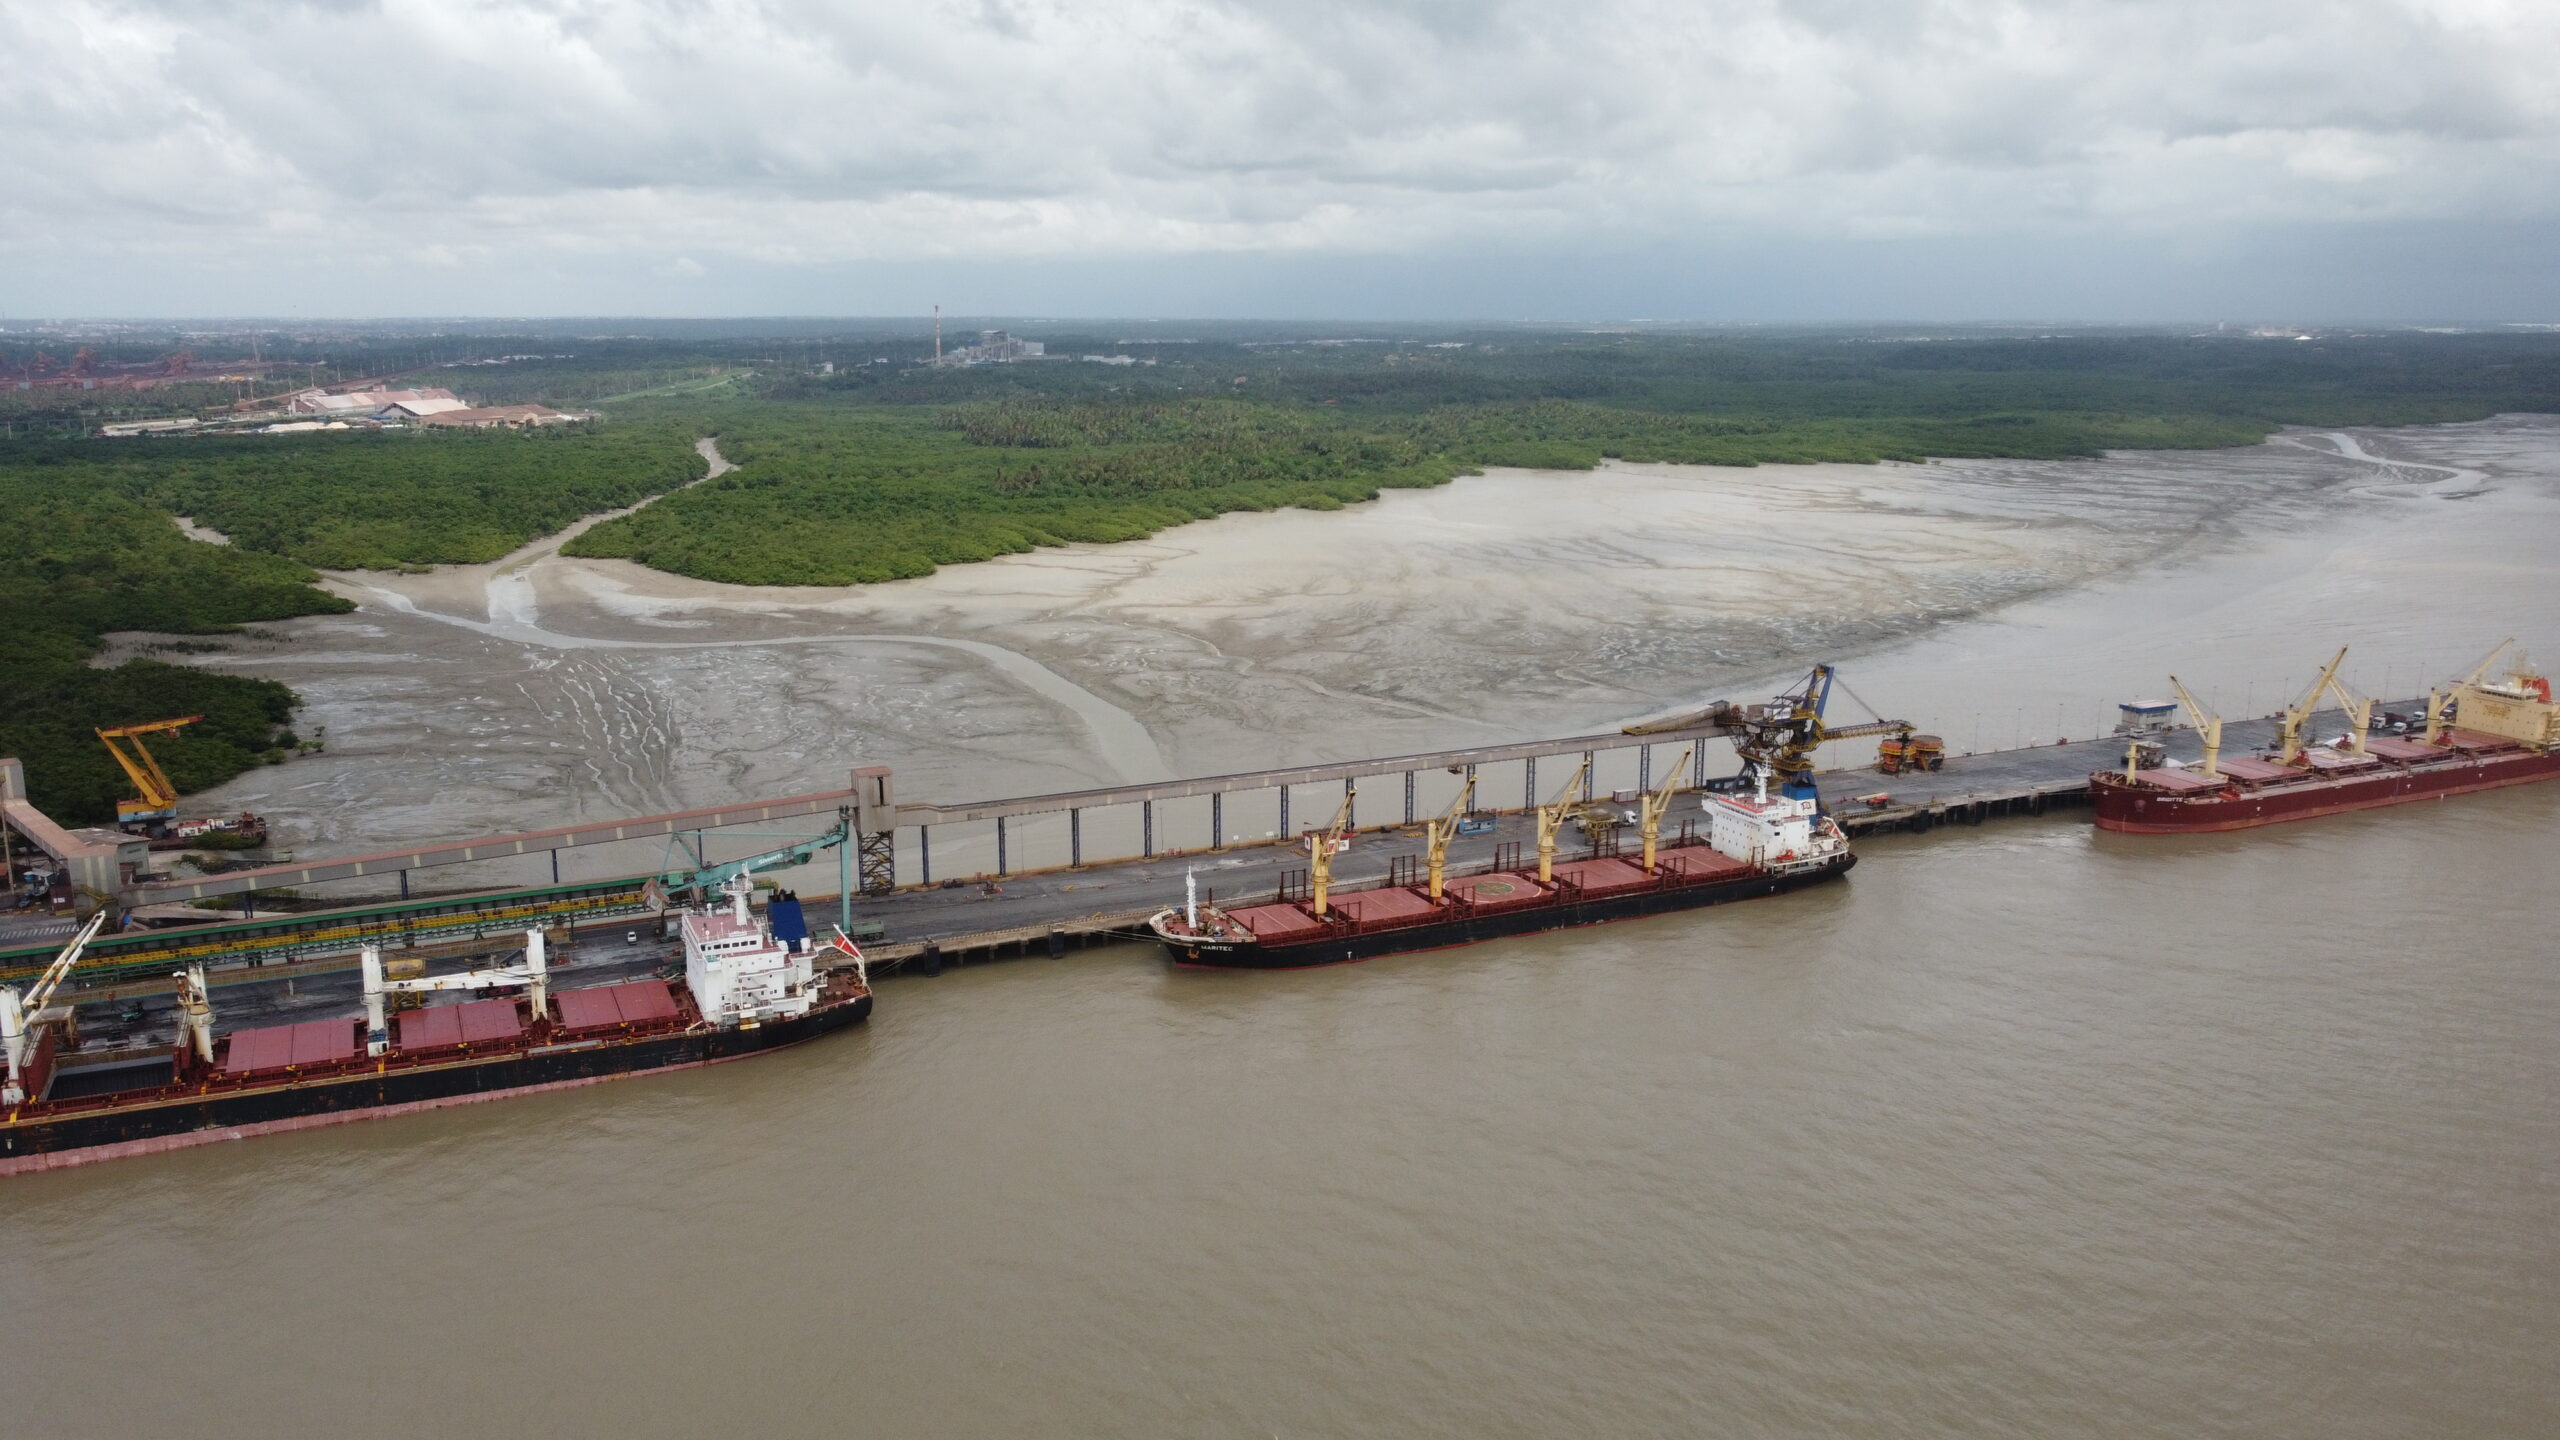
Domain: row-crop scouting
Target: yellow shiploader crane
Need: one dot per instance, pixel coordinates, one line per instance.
(1649, 809)
(1436, 835)
(1320, 848)
(159, 798)
(2208, 728)
(1551, 819)
(1779, 739)
(2296, 715)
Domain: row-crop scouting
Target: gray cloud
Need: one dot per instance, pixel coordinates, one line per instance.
(510, 138)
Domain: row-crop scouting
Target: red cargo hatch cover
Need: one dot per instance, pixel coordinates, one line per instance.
(2178, 780)
(1376, 907)
(1496, 892)
(2250, 767)
(430, 1029)
(317, 1042)
(1601, 877)
(254, 1050)
(1698, 862)
(644, 1000)
(1277, 923)
(630, 1003)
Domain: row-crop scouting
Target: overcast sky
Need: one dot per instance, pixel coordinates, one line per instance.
(1714, 159)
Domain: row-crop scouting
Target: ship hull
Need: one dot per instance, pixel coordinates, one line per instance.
(1344, 947)
(2130, 810)
(160, 1122)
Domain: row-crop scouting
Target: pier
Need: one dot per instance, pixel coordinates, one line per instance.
(1055, 872)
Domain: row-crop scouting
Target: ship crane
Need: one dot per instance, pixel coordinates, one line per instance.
(1778, 740)
(16, 1012)
(2298, 714)
(1551, 819)
(2359, 710)
(2208, 729)
(159, 797)
(1437, 834)
(1649, 809)
(1322, 846)
(534, 974)
(2439, 700)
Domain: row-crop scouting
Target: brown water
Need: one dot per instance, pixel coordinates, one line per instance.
(2022, 1131)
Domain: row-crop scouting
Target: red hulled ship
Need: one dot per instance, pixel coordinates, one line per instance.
(750, 985)
(2477, 735)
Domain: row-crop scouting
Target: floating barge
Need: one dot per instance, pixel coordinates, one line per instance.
(2476, 736)
(750, 986)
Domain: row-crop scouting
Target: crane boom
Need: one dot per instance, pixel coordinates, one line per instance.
(2208, 728)
(1649, 809)
(1437, 833)
(1551, 819)
(2289, 728)
(158, 796)
(17, 1012)
(1320, 848)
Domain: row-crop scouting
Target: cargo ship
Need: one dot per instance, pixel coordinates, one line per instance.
(750, 985)
(2478, 734)
(1755, 844)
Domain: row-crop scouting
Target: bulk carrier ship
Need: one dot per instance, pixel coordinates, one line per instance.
(2477, 735)
(750, 985)
(1756, 844)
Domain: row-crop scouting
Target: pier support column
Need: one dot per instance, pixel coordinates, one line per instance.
(1218, 821)
(844, 874)
(1408, 797)
(1284, 813)
(1000, 860)
(1147, 827)
(1529, 783)
(875, 821)
(1350, 806)
(1644, 767)
(1075, 838)
(924, 853)
(1698, 767)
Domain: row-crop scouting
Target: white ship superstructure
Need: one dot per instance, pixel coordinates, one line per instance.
(1777, 834)
(739, 972)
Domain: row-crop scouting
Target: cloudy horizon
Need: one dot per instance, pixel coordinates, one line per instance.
(1732, 160)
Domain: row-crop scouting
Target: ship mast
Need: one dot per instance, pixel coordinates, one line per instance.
(1649, 809)
(1551, 819)
(1437, 834)
(2289, 729)
(1320, 848)
(2208, 729)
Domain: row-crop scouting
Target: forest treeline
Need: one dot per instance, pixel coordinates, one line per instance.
(859, 465)
(95, 549)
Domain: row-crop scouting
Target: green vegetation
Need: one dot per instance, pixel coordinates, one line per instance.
(94, 550)
(860, 465)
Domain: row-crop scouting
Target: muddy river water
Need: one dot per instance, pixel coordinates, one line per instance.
(2023, 1131)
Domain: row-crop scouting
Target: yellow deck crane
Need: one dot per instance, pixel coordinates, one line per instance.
(1649, 810)
(2289, 725)
(1436, 835)
(2359, 710)
(2208, 729)
(1551, 819)
(158, 803)
(1321, 845)
(18, 1014)
(2438, 700)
